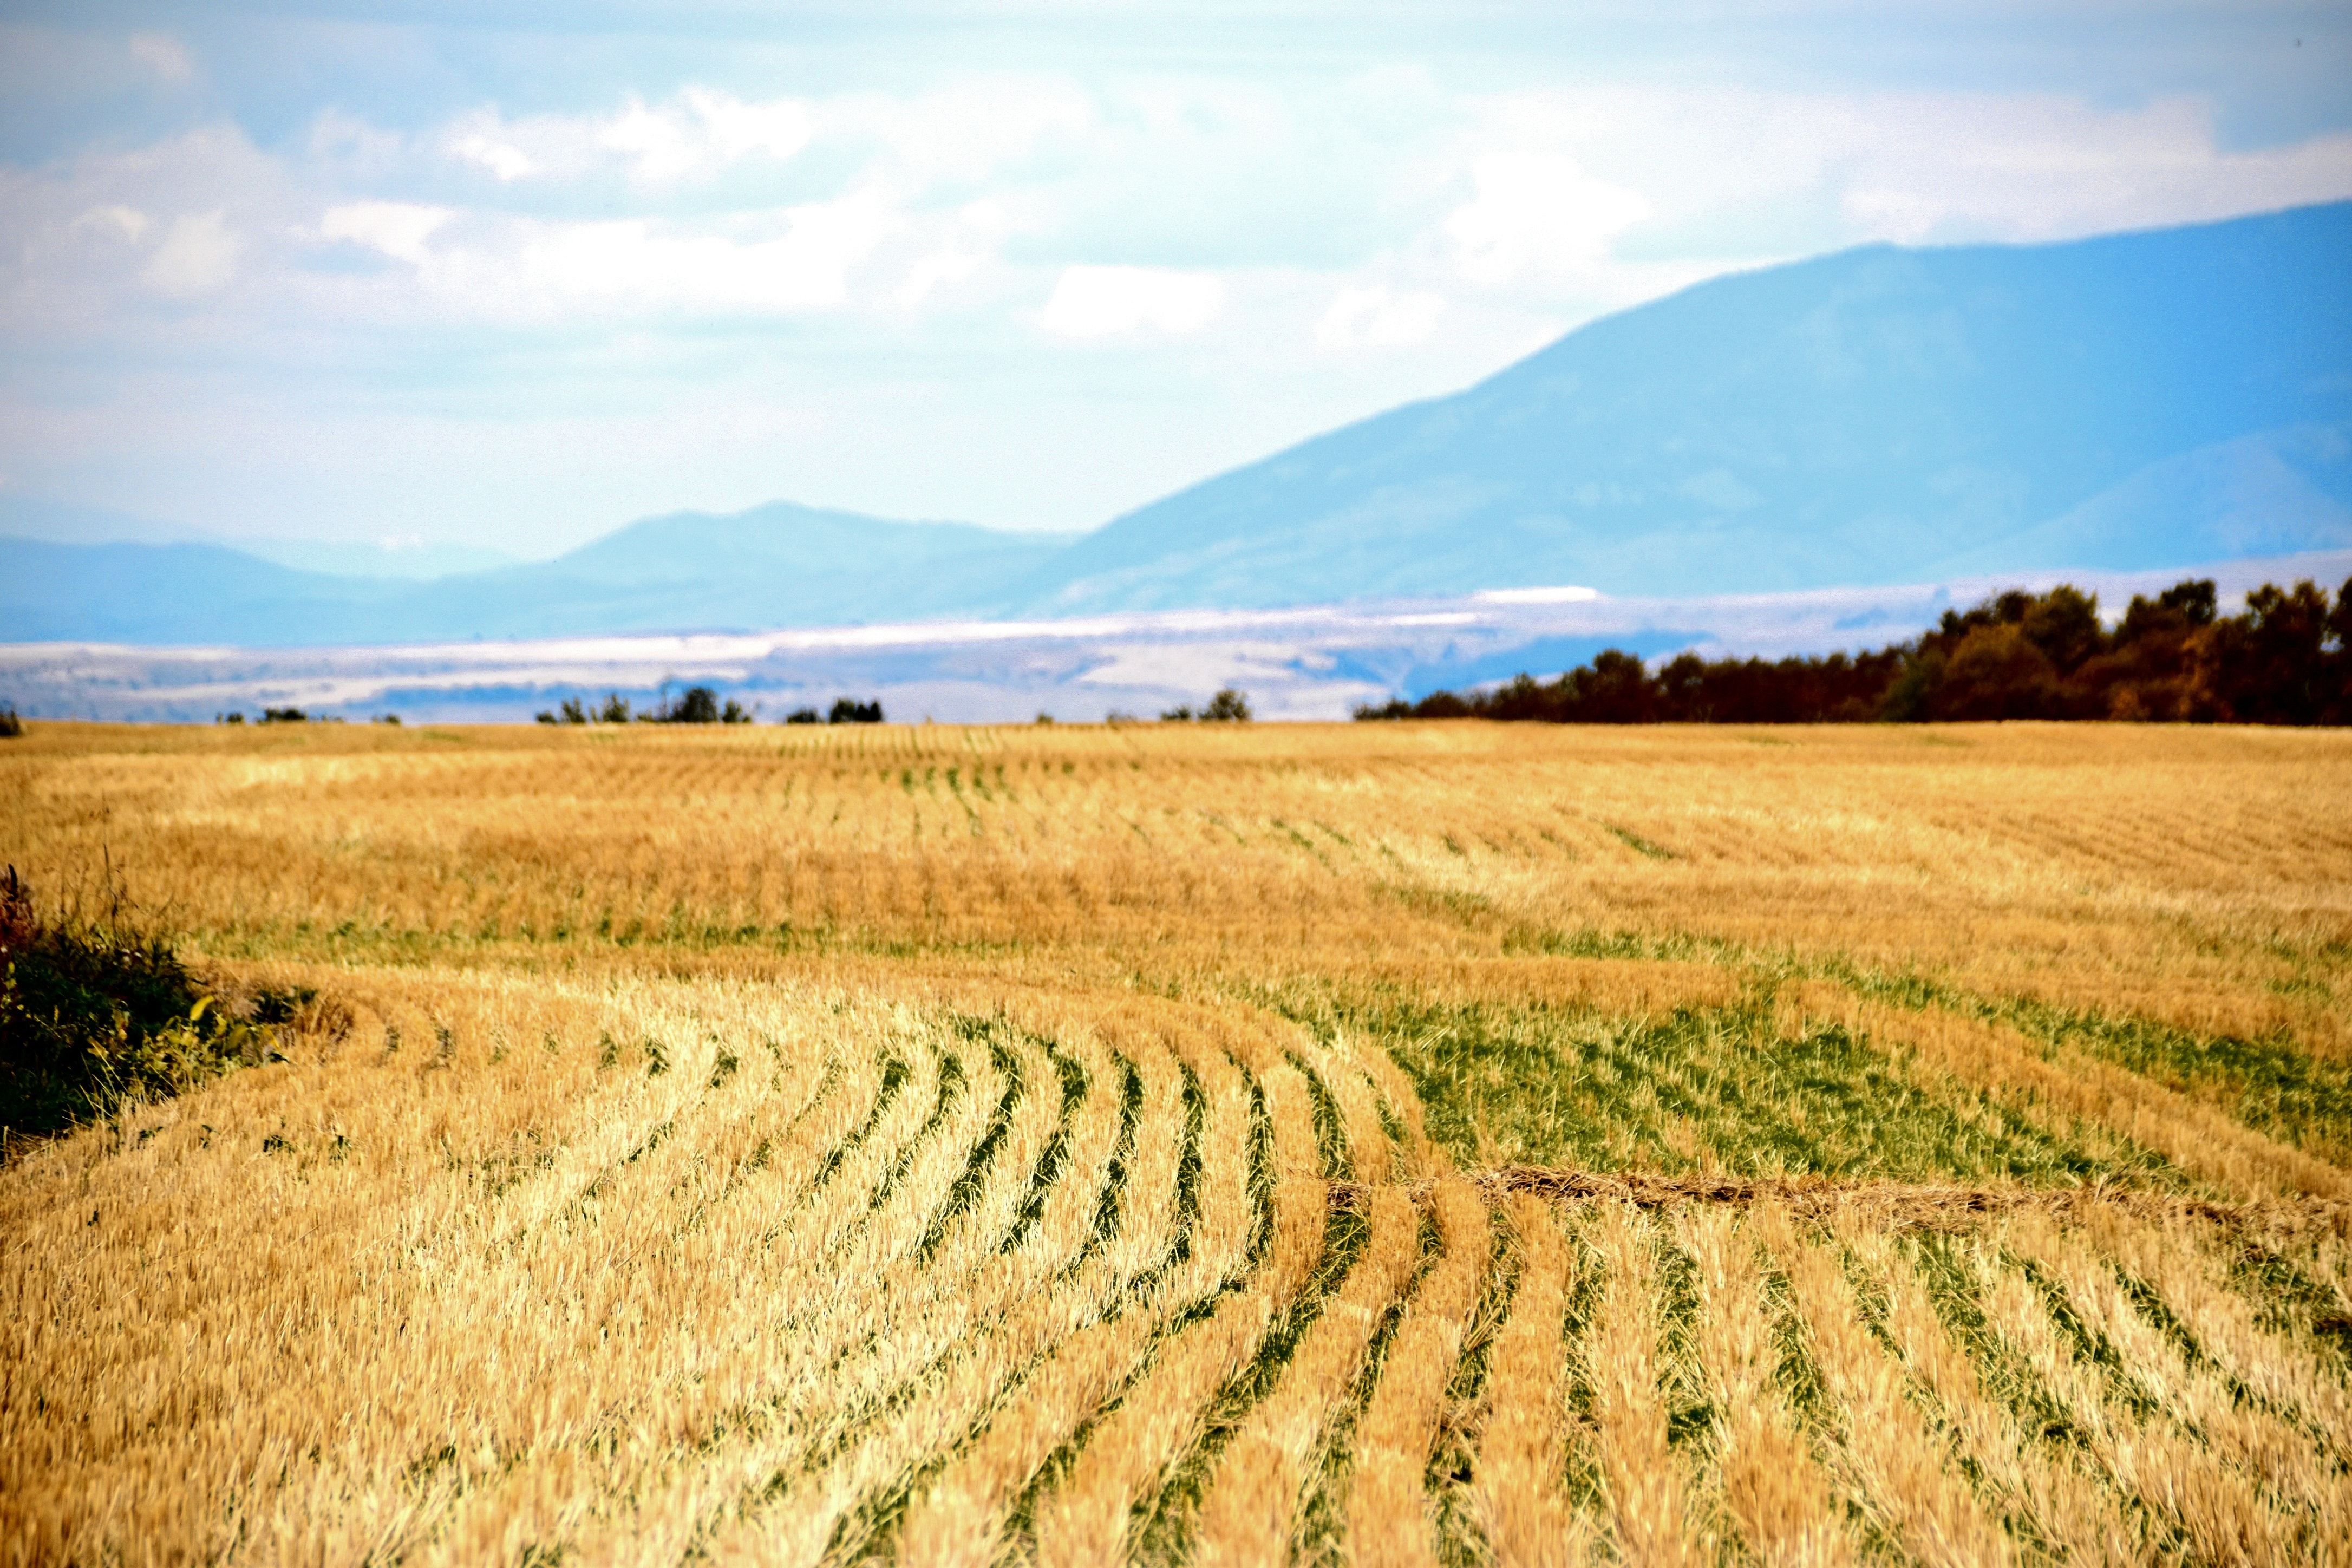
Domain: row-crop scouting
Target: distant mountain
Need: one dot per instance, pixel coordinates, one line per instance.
(775, 565)
(415, 560)
(1876, 416)
(1880, 416)
(178, 594)
(49, 519)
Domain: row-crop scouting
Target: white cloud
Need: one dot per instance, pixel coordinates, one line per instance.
(1537, 211)
(2043, 167)
(957, 250)
(635, 264)
(736, 129)
(198, 256)
(967, 131)
(963, 132)
(398, 229)
(1378, 318)
(693, 138)
(1119, 302)
(163, 54)
(660, 145)
(504, 159)
(1808, 172)
(125, 222)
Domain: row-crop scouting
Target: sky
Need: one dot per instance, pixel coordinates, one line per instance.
(456, 277)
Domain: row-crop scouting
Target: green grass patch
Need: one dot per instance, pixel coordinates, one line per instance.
(2269, 1083)
(1562, 1086)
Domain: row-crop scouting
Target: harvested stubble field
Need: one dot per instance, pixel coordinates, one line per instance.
(1412, 1144)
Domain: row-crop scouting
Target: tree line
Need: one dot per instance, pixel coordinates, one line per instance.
(700, 705)
(2286, 658)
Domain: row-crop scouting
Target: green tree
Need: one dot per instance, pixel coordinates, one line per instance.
(1229, 706)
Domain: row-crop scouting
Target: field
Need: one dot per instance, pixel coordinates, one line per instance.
(1402, 1143)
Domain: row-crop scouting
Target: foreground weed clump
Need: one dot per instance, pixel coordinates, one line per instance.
(93, 1013)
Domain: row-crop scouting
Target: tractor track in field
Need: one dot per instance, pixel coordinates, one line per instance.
(1894, 1204)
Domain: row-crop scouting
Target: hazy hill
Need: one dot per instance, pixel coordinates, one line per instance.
(178, 594)
(774, 565)
(47, 518)
(1883, 415)
(823, 557)
(1879, 416)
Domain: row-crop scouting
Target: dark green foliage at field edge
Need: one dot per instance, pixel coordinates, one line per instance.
(695, 705)
(92, 1014)
(1229, 706)
(2286, 659)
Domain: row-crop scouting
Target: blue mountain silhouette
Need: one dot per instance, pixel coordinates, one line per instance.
(1881, 416)
(1876, 417)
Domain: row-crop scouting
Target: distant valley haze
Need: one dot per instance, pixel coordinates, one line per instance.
(1883, 416)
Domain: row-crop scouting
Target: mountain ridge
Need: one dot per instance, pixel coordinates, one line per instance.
(1880, 414)
(2116, 353)
(774, 564)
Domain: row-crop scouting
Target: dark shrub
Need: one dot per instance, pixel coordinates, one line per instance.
(10, 725)
(804, 716)
(283, 716)
(1229, 706)
(93, 1013)
(696, 705)
(849, 711)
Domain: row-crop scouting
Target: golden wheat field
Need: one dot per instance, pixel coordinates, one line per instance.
(1399, 1143)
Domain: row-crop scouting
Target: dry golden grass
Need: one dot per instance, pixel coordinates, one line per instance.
(1418, 1144)
(1776, 1499)
(2201, 876)
(1518, 1488)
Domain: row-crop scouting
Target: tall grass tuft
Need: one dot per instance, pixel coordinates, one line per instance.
(97, 1011)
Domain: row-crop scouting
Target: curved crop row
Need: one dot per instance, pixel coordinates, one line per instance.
(967, 1276)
